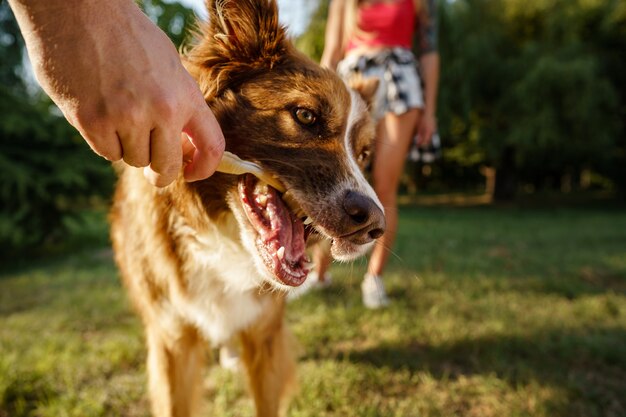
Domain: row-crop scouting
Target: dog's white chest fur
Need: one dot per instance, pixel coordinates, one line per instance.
(223, 283)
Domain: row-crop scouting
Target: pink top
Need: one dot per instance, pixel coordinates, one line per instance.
(385, 24)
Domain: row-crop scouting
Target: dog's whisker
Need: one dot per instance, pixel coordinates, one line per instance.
(390, 250)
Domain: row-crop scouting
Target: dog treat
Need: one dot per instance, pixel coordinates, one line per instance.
(232, 164)
(292, 204)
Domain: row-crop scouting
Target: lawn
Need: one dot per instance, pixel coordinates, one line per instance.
(496, 312)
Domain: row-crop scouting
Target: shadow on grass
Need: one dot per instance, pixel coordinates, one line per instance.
(22, 394)
(589, 364)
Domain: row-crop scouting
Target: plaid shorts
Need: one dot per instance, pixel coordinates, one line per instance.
(400, 87)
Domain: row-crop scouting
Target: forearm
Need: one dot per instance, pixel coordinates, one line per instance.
(42, 22)
(57, 34)
(331, 56)
(333, 37)
(429, 64)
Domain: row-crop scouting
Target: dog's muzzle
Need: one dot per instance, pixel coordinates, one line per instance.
(364, 219)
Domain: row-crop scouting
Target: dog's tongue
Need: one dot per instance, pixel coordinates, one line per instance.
(280, 239)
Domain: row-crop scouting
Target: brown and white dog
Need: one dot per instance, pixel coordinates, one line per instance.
(203, 261)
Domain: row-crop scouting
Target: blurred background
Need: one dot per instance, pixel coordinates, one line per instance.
(532, 102)
(508, 278)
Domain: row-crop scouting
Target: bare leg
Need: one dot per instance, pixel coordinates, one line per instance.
(268, 355)
(174, 367)
(322, 259)
(395, 134)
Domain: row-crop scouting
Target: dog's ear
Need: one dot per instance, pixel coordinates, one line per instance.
(246, 29)
(365, 86)
(240, 38)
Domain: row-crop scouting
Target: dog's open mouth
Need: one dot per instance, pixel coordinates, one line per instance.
(281, 235)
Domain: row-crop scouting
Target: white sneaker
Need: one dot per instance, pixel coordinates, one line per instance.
(320, 285)
(373, 291)
(312, 283)
(229, 357)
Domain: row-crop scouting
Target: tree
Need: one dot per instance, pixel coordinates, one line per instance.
(173, 18)
(11, 47)
(46, 171)
(523, 89)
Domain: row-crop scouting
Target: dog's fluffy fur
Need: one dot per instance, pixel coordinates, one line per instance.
(201, 260)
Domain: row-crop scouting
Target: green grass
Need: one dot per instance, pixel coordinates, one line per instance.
(496, 312)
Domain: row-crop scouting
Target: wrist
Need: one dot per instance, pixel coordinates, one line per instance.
(429, 112)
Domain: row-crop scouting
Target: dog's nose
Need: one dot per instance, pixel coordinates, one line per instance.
(366, 220)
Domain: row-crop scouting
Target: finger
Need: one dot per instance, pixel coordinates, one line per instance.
(165, 157)
(135, 147)
(419, 139)
(206, 136)
(188, 149)
(425, 135)
(106, 145)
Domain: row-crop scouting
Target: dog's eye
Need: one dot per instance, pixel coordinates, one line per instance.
(305, 116)
(363, 156)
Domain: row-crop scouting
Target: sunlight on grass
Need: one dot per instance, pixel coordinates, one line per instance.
(494, 313)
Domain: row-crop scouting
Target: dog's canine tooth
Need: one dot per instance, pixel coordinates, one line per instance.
(293, 204)
(308, 220)
(280, 253)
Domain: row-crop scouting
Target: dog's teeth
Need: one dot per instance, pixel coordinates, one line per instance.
(308, 220)
(290, 201)
(262, 200)
(280, 253)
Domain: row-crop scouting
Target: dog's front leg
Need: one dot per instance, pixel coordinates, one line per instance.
(175, 361)
(268, 355)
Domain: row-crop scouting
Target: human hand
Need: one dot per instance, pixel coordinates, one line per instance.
(426, 128)
(118, 79)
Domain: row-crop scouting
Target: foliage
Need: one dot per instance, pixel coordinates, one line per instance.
(528, 87)
(173, 18)
(11, 46)
(46, 170)
(496, 312)
(311, 42)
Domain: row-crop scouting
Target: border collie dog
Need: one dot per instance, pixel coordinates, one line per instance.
(213, 260)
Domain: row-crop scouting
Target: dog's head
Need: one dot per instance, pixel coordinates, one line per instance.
(298, 121)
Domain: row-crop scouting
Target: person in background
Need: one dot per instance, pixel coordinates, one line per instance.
(120, 82)
(395, 41)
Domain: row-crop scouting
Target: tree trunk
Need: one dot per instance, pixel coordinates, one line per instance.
(506, 178)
